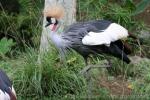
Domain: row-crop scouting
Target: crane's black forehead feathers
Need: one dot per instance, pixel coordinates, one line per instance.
(48, 19)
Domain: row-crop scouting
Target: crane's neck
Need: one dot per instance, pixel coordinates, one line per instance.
(60, 43)
(56, 39)
(54, 36)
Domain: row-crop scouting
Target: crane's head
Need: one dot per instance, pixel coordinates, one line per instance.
(53, 14)
(52, 22)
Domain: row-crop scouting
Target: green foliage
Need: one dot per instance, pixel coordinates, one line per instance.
(140, 77)
(24, 28)
(91, 9)
(119, 13)
(140, 7)
(5, 46)
(48, 78)
(129, 4)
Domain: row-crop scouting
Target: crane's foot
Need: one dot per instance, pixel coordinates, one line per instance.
(109, 69)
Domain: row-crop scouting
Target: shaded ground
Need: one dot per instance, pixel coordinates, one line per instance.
(145, 16)
(118, 86)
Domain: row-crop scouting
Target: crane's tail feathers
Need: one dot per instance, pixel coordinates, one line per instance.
(117, 52)
(124, 46)
(127, 48)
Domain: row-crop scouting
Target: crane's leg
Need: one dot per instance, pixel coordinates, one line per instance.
(109, 69)
(85, 60)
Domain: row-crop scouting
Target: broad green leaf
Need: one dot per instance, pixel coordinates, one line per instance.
(5, 45)
(141, 6)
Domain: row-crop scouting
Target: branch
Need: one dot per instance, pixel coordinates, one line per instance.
(102, 64)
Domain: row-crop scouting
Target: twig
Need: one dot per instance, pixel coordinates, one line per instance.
(103, 64)
(87, 73)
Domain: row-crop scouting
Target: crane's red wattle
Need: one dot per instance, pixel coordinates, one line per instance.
(54, 27)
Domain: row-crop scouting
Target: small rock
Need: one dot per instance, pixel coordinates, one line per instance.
(144, 34)
(135, 59)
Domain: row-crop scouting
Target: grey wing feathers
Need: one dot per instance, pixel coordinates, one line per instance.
(94, 26)
(77, 31)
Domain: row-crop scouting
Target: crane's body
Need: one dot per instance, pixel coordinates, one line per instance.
(91, 37)
(7, 91)
(78, 36)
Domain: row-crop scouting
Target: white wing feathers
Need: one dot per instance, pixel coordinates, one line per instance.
(112, 33)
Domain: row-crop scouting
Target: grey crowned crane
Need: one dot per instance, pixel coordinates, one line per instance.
(92, 37)
(7, 91)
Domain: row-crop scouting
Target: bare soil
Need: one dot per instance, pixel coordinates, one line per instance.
(117, 86)
(144, 16)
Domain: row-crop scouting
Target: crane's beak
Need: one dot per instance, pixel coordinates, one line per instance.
(47, 24)
(52, 26)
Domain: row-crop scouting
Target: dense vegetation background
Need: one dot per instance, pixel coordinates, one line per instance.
(20, 31)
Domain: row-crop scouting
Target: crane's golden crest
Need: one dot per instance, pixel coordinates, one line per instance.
(55, 11)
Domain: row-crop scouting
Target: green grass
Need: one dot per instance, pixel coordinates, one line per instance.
(48, 78)
(52, 79)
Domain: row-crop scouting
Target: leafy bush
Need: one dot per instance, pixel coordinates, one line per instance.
(140, 7)
(25, 27)
(119, 11)
(5, 46)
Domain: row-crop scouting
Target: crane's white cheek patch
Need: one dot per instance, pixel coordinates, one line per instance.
(112, 33)
(53, 20)
(4, 95)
